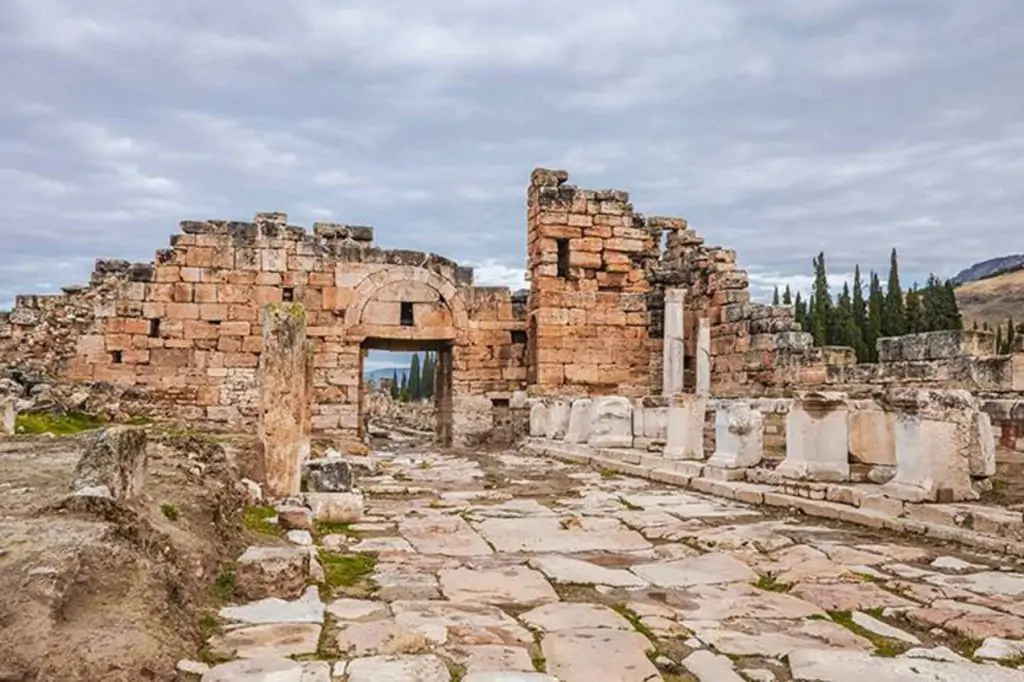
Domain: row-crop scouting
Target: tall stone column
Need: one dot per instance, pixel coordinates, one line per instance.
(285, 385)
(704, 356)
(673, 351)
(8, 415)
(817, 438)
(684, 437)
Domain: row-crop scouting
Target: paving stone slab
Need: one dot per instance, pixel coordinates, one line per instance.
(426, 668)
(511, 585)
(573, 616)
(262, 669)
(306, 609)
(707, 667)
(986, 582)
(739, 600)
(706, 569)
(859, 596)
(562, 569)
(356, 609)
(844, 666)
(379, 637)
(445, 535)
(605, 655)
(464, 624)
(276, 639)
(551, 535)
(490, 658)
(775, 639)
(508, 677)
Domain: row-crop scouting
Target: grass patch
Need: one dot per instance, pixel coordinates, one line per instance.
(346, 570)
(457, 672)
(884, 647)
(36, 423)
(257, 518)
(424, 465)
(634, 620)
(170, 511)
(224, 585)
(322, 528)
(327, 646)
(629, 505)
(140, 420)
(768, 583)
(208, 625)
(608, 473)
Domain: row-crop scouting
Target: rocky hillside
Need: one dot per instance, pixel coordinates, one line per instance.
(993, 299)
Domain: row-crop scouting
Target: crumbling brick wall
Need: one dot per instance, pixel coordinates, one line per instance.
(185, 330)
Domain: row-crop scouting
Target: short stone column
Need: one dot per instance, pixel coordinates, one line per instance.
(684, 438)
(817, 438)
(739, 436)
(674, 351)
(578, 430)
(611, 422)
(704, 356)
(558, 420)
(933, 433)
(8, 415)
(285, 386)
(538, 419)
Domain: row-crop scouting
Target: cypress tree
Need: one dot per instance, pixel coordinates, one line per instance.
(894, 323)
(846, 331)
(395, 391)
(427, 380)
(799, 310)
(1011, 335)
(915, 314)
(876, 313)
(787, 296)
(999, 340)
(414, 378)
(403, 393)
(954, 319)
(822, 302)
(775, 296)
(860, 315)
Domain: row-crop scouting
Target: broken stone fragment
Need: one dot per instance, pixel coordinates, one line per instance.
(116, 459)
(336, 507)
(190, 671)
(294, 517)
(262, 669)
(8, 415)
(327, 476)
(263, 572)
(611, 422)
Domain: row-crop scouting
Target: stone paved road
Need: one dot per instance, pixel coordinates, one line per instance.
(501, 567)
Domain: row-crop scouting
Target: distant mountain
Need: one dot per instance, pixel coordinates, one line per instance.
(989, 268)
(993, 300)
(385, 373)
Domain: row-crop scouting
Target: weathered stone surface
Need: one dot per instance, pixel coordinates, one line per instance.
(492, 659)
(8, 415)
(461, 623)
(674, 349)
(262, 669)
(817, 438)
(776, 638)
(739, 436)
(983, 447)
(538, 420)
(336, 507)
(578, 430)
(871, 434)
(426, 668)
(986, 582)
(706, 569)
(586, 534)
(848, 596)
(685, 429)
(115, 459)
(557, 419)
(562, 569)
(844, 666)
(327, 475)
(708, 667)
(273, 639)
(998, 649)
(511, 585)
(306, 609)
(263, 572)
(356, 609)
(446, 535)
(573, 616)
(611, 422)
(379, 637)
(508, 677)
(589, 655)
(882, 629)
(293, 517)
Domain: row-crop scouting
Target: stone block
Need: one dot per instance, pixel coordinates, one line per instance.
(578, 430)
(336, 507)
(263, 572)
(871, 434)
(538, 420)
(817, 438)
(611, 423)
(739, 436)
(684, 428)
(8, 415)
(115, 459)
(983, 447)
(294, 517)
(327, 475)
(557, 420)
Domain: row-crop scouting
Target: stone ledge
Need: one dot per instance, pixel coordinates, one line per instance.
(986, 528)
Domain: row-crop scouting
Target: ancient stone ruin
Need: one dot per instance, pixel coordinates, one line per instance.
(757, 462)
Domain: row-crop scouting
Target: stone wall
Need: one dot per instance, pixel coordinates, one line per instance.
(184, 330)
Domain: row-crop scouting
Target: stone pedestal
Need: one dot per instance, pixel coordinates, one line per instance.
(704, 357)
(578, 430)
(685, 429)
(817, 438)
(611, 423)
(739, 436)
(558, 420)
(933, 434)
(538, 420)
(673, 351)
(650, 423)
(8, 415)
(871, 434)
(285, 386)
(983, 447)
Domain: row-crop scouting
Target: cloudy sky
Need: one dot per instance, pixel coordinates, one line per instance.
(777, 127)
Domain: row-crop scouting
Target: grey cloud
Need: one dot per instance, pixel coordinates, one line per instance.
(779, 129)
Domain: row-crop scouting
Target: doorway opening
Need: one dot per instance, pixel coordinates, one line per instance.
(404, 385)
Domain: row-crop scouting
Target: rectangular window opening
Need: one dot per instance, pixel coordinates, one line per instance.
(563, 257)
(288, 294)
(117, 357)
(154, 329)
(518, 336)
(406, 315)
(500, 403)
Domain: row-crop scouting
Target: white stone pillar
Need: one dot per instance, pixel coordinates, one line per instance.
(285, 385)
(8, 415)
(674, 351)
(739, 436)
(538, 420)
(817, 438)
(684, 438)
(611, 422)
(558, 420)
(933, 435)
(578, 430)
(704, 356)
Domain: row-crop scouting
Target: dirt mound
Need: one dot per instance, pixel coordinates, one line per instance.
(106, 590)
